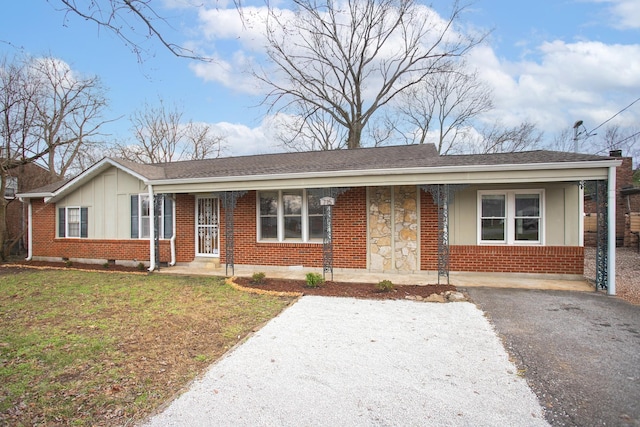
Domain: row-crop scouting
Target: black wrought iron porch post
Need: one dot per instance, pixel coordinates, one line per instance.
(229, 200)
(443, 195)
(602, 235)
(327, 238)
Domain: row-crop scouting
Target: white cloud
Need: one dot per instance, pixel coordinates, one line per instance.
(242, 140)
(590, 81)
(625, 13)
(554, 85)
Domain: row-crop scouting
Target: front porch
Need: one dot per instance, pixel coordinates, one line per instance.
(458, 279)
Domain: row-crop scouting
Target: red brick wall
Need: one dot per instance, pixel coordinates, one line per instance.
(428, 232)
(518, 259)
(45, 243)
(349, 244)
(185, 228)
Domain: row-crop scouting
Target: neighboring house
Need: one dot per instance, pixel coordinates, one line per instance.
(510, 213)
(627, 204)
(19, 180)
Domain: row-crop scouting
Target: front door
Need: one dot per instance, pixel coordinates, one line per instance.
(207, 236)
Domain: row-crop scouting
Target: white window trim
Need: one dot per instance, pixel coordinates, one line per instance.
(280, 220)
(160, 218)
(510, 206)
(140, 217)
(66, 222)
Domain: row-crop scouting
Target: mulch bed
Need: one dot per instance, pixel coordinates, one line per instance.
(342, 289)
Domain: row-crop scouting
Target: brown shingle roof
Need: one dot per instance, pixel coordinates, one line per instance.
(328, 162)
(393, 157)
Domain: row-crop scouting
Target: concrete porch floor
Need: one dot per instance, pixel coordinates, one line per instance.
(458, 279)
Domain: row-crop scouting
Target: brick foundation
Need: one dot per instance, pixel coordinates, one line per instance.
(518, 259)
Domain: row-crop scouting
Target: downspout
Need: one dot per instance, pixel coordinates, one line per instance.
(581, 213)
(611, 226)
(173, 236)
(29, 231)
(152, 231)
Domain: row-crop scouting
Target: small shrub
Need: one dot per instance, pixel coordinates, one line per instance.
(384, 286)
(141, 266)
(258, 278)
(106, 265)
(68, 263)
(314, 280)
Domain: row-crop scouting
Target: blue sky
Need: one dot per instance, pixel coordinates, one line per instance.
(548, 61)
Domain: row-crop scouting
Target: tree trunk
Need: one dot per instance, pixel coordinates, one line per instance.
(355, 133)
(3, 223)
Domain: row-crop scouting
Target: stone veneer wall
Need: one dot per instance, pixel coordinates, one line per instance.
(393, 228)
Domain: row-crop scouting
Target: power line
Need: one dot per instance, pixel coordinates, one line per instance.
(629, 137)
(612, 117)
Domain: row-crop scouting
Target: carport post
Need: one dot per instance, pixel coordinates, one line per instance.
(611, 218)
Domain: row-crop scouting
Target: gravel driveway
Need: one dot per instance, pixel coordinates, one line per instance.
(349, 362)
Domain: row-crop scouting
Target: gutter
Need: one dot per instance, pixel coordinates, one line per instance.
(427, 170)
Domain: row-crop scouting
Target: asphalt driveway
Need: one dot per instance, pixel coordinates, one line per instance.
(579, 351)
(349, 362)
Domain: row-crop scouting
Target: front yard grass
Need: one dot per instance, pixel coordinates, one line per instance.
(84, 348)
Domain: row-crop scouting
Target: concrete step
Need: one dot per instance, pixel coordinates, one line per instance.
(206, 263)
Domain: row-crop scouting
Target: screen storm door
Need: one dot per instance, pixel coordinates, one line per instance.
(207, 236)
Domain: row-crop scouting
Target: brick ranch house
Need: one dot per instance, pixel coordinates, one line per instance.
(502, 213)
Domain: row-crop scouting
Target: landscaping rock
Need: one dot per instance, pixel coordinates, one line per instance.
(435, 298)
(454, 296)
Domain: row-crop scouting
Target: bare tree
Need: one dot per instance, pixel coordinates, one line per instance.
(615, 138)
(68, 112)
(445, 104)
(43, 118)
(349, 60)
(158, 133)
(563, 141)
(162, 137)
(135, 22)
(309, 129)
(202, 142)
(500, 139)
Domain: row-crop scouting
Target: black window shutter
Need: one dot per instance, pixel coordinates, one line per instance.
(61, 222)
(168, 217)
(134, 217)
(84, 213)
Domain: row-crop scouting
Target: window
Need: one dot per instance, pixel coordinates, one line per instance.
(141, 216)
(11, 187)
(315, 217)
(292, 204)
(289, 215)
(510, 217)
(268, 215)
(73, 222)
